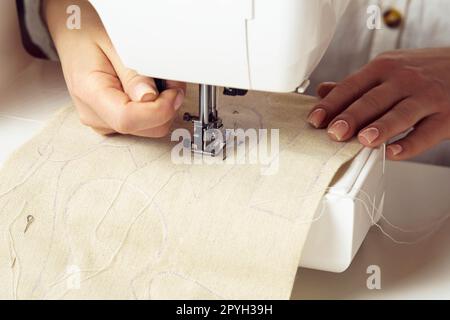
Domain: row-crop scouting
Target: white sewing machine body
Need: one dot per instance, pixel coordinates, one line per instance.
(344, 215)
(261, 45)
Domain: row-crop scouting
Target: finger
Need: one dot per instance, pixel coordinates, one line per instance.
(158, 132)
(427, 134)
(125, 116)
(368, 107)
(345, 93)
(89, 118)
(176, 85)
(405, 115)
(325, 88)
(103, 131)
(139, 88)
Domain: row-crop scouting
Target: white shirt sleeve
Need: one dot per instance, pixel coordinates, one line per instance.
(425, 24)
(37, 28)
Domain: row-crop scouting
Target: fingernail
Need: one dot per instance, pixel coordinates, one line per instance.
(179, 99)
(370, 135)
(339, 129)
(145, 92)
(395, 149)
(317, 117)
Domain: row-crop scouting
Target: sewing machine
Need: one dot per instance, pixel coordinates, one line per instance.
(246, 44)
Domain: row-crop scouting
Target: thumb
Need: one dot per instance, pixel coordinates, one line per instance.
(139, 88)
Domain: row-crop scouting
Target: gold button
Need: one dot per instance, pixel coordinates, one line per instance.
(393, 18)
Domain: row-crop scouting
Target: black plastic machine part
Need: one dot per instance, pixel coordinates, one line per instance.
(234, 92)
(161, 85)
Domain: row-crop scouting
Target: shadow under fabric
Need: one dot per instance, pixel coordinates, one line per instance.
(84, 216)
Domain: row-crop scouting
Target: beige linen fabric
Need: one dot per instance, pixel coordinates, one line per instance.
(115, 218)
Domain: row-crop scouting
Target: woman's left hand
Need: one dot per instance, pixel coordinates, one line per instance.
(395, 92)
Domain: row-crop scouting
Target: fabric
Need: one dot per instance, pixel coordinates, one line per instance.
(88, 217)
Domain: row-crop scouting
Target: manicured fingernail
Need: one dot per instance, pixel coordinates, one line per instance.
(369, 135)
(317, 117)
(144, 92)
(339, 129)
(395, 149)
(179, 99)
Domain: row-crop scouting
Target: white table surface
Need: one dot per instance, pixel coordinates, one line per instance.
(30, 100)
(416, 194)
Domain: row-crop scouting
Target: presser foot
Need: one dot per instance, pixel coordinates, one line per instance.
(209, 135)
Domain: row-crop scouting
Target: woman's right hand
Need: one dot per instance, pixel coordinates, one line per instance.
(109, 97)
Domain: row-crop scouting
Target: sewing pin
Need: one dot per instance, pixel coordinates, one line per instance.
(30, 220)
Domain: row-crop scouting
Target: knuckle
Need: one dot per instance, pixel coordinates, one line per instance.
(409, 147)
(124, 124)
(348, 86)
(428, 137)
(386, 62)
(405, 115)
(437, 89)
(129, 75)
(345, 89)
(370, 101)
(408, 75)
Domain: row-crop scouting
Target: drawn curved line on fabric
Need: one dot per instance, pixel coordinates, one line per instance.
(88, 152)
(62, 121)
(219, 179)
(259, 116)
(183, 277)
(14, 256)
(69, 111)
(2, 210)
(66, 162)
(323, 165)
(72, 195)
(158, 256)
(159, 252)
(111, 204)
(133, 158)
(141, 212)
(52, 233)
(26, 178)
(119, 191)
(429, 229)
(56, 193)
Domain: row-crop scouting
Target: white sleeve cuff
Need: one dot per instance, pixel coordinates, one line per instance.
(37, 28)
